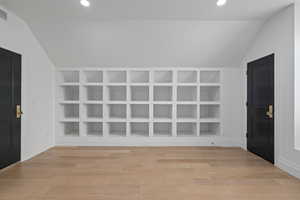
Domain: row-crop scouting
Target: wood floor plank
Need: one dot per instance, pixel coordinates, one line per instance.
(146, 173)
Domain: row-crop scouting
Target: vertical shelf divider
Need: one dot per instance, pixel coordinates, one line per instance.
(174, 103)
(151, 103)
(105, 108)
(198, 102)
(128, 105)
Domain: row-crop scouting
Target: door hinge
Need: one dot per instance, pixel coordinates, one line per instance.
(247, 135)
(247, 103)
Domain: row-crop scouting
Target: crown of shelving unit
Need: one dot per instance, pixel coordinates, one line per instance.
(138, 103)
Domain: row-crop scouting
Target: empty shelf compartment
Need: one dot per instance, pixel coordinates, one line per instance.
(209, 111)
(94, 111)
(163, 111)
(209, 129)
(186, 129)
(69, 77)
(163, 76)
(70, 111)
(116, 76)
(139, 129)
(187, 111)
(117, 93)
(163, 93)
(139, 76)
(93, 76)
(70, 93)
(140, 111)
(139, 93)
(187, 93)
(162, 129)
(70, 128)
(187, 76)
(210, 77)
(94, 129)
(117, 129)
(209, 93)
(93, 93)
(117, 111)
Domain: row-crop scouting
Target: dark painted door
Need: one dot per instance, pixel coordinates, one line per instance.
(260, 111)
(10, 107)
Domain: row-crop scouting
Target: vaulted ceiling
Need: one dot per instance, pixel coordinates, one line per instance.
(145, 32)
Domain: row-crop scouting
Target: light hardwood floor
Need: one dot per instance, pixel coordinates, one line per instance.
(172, 173)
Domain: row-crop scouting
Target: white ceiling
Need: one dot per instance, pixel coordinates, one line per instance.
(147, 9)
(145, 32)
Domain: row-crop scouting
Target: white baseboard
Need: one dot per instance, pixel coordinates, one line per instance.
(28, 157)
(289, 167)
(153, 141)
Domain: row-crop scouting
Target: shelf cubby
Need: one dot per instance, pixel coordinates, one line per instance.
(162, 129)
(138, 102)
(69, 77)
(117, 129)
(116, 77)
(70, 111)
(94, 129)
(187, 93)
(186, 129)
(117, 93)
(140, 129)
(117, 111)
(139, 93)
(69, 93)
(209, 129)
(140, 111)
(186, 111)
(162, 111)
(163, 76)
(139, 76)
(210, 93)
(209, 111)
(210, 77)
(93, 93)
(187, 76)
(93, 76)
(70, 128)
(163, 93)
(93, 111)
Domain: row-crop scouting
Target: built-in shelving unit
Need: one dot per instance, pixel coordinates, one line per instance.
(133, 103)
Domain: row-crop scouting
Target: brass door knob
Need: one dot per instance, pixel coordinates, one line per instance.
(18, 111)
(270, 111)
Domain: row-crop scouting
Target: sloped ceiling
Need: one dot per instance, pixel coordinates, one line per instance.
(146, 33)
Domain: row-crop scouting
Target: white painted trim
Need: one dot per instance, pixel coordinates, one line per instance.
(288, 166)
(149, 141)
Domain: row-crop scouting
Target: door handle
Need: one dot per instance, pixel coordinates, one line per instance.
(270, 111)
(18, 111)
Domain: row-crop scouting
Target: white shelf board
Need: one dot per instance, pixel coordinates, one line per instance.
(70, 120)
(69, 102)
(69, 84)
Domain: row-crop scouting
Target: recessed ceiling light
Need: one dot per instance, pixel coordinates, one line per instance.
(85, 3)
(221, 2)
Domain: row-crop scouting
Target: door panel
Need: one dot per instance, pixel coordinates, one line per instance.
(10, 96)
(260, 110)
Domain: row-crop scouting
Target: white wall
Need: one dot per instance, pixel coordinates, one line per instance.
(297, 76)
(37, 86)
(150, 43)
(277, 36)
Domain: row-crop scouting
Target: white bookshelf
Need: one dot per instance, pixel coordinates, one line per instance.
(100, 104)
